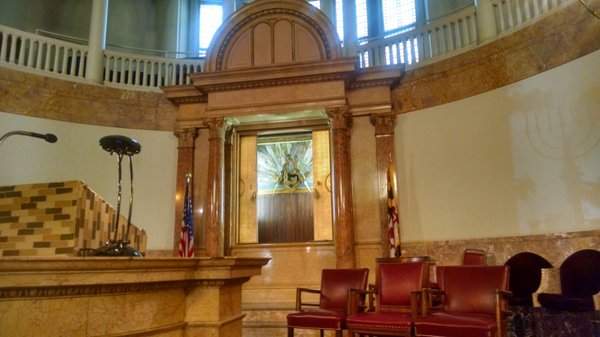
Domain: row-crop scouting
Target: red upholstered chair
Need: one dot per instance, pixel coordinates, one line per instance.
(398, 286)
(472, 256)
(331, 311)
(472, 303)
(579, 282)
(525, 277)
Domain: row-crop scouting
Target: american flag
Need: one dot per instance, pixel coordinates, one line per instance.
(186, 234)
(393, 221)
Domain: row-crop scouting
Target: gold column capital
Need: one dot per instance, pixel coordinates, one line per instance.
(186, 136)
(384, 124)
(217, 127)
(340, 117)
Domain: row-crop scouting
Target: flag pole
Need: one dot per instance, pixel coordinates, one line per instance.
(392, 212)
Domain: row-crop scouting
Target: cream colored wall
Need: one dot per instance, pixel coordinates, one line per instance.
(494, 165)
(77, 156)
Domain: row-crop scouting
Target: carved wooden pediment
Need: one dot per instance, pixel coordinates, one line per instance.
(273, 32)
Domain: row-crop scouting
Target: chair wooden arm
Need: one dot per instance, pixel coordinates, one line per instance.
(426, 299)
(356, 300)
(299, 303)
(417, 299)
(500, 311)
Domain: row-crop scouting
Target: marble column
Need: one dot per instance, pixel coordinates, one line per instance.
(185, 165)
(214, 193)
(227, 182)
(341, 187)
(384, 150)
(486, 20)
(97, 42)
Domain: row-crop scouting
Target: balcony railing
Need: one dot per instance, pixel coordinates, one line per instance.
(66, 60)
(451, 34)
(127, 70)
(438, 39)
(511, 14)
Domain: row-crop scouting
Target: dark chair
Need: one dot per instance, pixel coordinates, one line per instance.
(474, 257)
(579, 282)
(472, 302)
(525, 277)
(331, 311)
(392, 303)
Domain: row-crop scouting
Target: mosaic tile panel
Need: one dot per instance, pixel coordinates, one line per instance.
(58, 219)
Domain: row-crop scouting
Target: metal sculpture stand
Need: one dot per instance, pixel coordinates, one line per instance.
(122, 146)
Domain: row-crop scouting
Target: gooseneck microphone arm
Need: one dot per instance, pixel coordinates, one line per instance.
(50, 138)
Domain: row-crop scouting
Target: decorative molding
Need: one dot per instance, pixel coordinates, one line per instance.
(184, 94)
(217, 87)
(94, 290)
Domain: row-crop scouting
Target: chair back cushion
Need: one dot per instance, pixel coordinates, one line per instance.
(472, 289)
(525, 274)
(474, 257)
(580, 274)
(395, 282)
(335, 284)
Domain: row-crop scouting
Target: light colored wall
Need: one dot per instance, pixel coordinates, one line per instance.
(437, 8)
(145, 24)
(523, 159)
(77, 156)
(69, 17)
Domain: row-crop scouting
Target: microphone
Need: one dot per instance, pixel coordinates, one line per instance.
(50, 138)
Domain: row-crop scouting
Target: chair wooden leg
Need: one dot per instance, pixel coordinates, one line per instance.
(290, 332)
(321, 333)
(338, 333)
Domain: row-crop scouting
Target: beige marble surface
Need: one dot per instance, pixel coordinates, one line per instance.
(97, 296)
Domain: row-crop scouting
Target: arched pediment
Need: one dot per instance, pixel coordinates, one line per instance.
(273, 32)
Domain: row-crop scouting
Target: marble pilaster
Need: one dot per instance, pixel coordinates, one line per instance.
(185, 165)
(214, 193)
(384, 142)
(341, 184)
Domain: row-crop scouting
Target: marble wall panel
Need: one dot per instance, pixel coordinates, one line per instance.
(38, 96)
(29, 317)
(109, 315)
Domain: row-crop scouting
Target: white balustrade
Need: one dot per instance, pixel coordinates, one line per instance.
(130, 70)
(513, 14)
(436, 38)
(41, 54)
